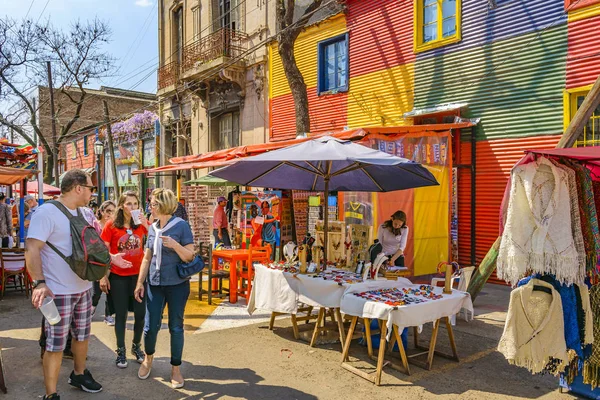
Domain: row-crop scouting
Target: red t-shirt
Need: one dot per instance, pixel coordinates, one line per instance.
(126, 241)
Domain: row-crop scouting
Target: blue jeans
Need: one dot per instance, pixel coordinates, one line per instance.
(157, 298)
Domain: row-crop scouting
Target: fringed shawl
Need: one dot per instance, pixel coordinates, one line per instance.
(538, 232)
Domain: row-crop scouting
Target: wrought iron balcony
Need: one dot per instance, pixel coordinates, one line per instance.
(223, 43)
(168, 74)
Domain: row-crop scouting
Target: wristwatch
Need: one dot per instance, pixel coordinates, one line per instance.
(38, 282)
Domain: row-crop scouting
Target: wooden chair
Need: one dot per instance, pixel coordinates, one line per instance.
(12, 264)
(205, 251)
(246, 273)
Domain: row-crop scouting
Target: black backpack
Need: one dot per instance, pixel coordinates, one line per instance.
(90, 259)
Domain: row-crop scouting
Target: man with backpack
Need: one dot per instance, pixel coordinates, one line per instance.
(52, 235)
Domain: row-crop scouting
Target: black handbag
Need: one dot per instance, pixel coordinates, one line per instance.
(185, 270)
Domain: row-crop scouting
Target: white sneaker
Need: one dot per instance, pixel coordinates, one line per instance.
(109, 320)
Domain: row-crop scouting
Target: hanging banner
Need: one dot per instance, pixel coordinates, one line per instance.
(261, 223)
(427, 209)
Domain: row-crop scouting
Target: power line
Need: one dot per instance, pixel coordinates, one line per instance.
(28, 10)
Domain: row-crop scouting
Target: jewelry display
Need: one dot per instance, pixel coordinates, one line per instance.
(401, 297)
(340, 277)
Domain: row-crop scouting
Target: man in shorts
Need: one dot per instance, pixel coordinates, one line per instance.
(53, 277)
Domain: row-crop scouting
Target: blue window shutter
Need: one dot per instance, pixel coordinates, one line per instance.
(85, 145)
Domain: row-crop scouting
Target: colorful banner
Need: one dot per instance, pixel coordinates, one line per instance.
(261, 222)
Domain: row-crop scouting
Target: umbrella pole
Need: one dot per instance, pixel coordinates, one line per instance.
(326, 213)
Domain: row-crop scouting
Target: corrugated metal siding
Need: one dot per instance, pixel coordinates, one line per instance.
(380, 98)
(515, 85)
(583, 56)
(305, 52)
(481, 25)
(385, 28)
(583, 9)
(495, 158)
(327, 113)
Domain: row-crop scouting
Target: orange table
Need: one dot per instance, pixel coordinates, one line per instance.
(233, 256)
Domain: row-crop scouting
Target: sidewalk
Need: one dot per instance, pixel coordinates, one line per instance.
(229, 355)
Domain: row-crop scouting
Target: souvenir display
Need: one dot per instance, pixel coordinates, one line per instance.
(290, 252)
(285, 267)
(340, 276)
(359, 237)
(392, 297)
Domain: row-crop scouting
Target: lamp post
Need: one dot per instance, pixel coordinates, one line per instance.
(98, 151)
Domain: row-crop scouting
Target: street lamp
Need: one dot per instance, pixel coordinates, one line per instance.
(98, 150)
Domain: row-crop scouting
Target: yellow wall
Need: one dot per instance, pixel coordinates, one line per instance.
(431, 223)
(584, 13)
(380, 98)
(305, 51)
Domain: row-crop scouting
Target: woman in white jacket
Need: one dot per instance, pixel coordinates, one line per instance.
(393, 235)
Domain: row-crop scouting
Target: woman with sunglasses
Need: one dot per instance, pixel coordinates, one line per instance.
(170, 242)
(124, 239)
(105, 213)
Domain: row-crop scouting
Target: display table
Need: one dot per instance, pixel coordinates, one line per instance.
(280, 292)
(378, 300)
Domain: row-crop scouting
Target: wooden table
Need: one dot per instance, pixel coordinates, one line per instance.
(233, 257)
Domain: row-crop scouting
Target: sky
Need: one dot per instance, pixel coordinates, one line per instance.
(133, 23)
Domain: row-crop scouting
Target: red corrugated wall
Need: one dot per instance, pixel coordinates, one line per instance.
(583, 55)
(381, 34)
(495, 158)
(327, 113)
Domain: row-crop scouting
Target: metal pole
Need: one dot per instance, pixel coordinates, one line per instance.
(111, 150)
(54, 140)
(326, 213)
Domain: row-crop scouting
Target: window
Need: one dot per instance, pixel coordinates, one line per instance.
(332, 62)
(437, 23)
(591, 132)
(73, 150)
(177, 32)
(85, 146)
(196, 19)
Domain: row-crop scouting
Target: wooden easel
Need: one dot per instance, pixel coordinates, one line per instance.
(375, 377)
(334, 314)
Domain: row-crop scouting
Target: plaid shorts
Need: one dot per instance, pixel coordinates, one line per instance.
(75, 314)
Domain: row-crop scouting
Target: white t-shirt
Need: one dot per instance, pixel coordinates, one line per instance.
(391, 243)
(48, 223)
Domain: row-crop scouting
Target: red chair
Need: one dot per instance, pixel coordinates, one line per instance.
(246, 274)
(12, 264)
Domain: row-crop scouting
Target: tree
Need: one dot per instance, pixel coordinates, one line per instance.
(77, 58)
(288, 33)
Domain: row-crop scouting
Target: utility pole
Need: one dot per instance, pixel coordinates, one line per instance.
(111, 149)
(54, 141)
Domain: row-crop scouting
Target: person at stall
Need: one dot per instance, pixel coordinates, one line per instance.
(257, 225)
(170, 242)
(5, 221)
(393, 235)
(220, 231)
(124, 238)
(270, 226)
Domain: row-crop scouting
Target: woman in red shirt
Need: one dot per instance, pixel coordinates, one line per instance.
(124, 239)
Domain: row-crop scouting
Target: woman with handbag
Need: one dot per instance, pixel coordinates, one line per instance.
(170, 247)
(124, 239)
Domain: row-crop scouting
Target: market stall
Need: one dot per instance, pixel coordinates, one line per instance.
(549, 250)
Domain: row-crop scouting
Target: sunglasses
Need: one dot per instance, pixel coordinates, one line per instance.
(89, 187)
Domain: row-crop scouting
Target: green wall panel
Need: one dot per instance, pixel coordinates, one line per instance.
(515, 86)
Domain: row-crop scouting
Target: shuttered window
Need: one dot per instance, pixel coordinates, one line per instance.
(332, 65)
(437, 23)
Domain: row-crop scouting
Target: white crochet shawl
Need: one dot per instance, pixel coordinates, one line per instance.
(538, 235)
(534, 329)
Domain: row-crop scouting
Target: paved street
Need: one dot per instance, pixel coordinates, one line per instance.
(235, 357)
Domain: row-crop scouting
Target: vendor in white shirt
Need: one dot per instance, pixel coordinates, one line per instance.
(393, 235)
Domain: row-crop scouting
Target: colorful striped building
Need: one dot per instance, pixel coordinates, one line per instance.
(521, 67)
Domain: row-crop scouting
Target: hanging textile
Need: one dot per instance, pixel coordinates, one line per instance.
(589, 218)
(529, 339)
(575, 215)
(538, 233)
(591, 367)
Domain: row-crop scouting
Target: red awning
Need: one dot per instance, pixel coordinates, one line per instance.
(10, 176)
(227, 156)
(32, 188)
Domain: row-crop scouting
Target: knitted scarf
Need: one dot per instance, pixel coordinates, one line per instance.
(589, 217)
(591, 367)
(538, 233)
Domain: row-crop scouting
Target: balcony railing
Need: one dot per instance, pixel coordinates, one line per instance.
(168, 74)
(223, 43)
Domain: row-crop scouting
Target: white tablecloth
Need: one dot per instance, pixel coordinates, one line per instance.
(273, 291)
(403, 316)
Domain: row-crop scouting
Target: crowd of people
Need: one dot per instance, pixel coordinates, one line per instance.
(142, 278)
